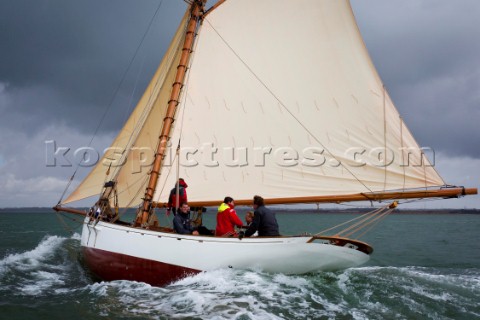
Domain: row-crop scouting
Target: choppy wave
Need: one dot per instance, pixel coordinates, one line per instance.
(410, 291)
(52, 272)
(36, 271)
(363, 293)
(32, 259)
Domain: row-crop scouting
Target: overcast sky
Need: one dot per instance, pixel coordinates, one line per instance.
(61, 62)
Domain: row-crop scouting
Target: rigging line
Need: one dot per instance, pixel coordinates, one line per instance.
(115, 94)
(131, 101)
(367, 223)
(141, 188)
(423, 200)
(149, 104)
(385, 136)
(126, 72)
(130, 185)
(68, 185)
(362, 222)
(214, 7)
(356, 206)
(170, 56)
(403, 154)
(168, 175)
(184, 98)
(61, 217)
(187, 79)
(284, 106)
(148, 108)
(374, 223)
(157, 87)
(349, 221)
(422, 159)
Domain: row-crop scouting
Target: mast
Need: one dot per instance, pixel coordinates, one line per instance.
(197, 10)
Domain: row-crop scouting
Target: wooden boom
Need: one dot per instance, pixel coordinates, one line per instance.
(417, 194)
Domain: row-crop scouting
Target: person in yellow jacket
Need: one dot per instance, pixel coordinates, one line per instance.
(227, 219)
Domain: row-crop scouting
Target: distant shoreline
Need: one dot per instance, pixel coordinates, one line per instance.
(283, 210)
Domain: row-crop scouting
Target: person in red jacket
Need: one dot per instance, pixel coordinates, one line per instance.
(227, 219)
(172, 199)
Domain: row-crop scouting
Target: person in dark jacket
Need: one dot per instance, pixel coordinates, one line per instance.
(264, 220)
(182, 194)
(182, 223)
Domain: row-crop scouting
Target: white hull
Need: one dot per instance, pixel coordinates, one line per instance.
(289, 255)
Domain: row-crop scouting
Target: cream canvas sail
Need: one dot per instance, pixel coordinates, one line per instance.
(289, 88)
(281, 99)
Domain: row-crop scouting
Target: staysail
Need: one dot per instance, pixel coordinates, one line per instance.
(131, 153)
(283, 100)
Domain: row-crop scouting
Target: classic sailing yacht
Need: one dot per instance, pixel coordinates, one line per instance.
(271, 97)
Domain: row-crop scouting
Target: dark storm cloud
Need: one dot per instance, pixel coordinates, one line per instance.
(62, 60)
(428, 54)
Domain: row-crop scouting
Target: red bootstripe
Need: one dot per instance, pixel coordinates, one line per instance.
(110, 266)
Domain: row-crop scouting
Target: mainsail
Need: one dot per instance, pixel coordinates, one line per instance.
(283, 100)
(280, 99)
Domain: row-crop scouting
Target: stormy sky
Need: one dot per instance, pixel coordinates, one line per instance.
(63, 61)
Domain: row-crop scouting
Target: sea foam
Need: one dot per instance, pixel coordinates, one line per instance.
(33, 272)
(32, 259)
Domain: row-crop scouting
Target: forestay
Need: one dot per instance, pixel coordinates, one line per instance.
(136, 142)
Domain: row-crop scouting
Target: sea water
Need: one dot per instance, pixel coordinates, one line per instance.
(425, 266)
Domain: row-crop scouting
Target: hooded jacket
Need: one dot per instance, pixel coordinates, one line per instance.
(172, 199)
(227, 219)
